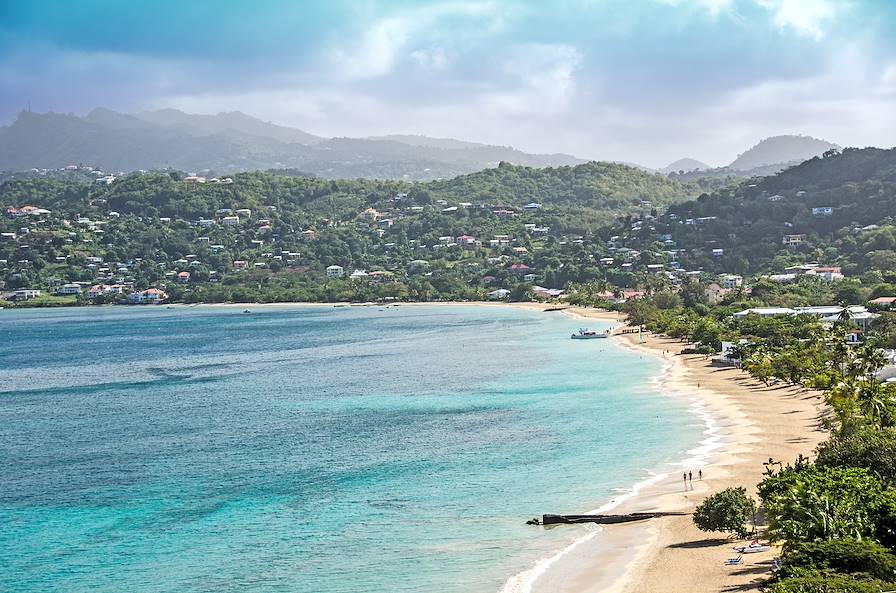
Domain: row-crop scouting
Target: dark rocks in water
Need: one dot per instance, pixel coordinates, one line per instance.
(533, 521)
(604, 519)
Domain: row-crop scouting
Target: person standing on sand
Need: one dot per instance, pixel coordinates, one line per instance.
(690, 477)
(699, 474)
(685, 477)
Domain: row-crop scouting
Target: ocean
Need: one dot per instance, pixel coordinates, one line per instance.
(312, 449)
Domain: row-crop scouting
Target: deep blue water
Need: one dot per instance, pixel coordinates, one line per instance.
(310, 450)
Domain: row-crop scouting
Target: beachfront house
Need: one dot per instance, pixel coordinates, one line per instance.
(147, 297)
(24, 294)
(498, 295)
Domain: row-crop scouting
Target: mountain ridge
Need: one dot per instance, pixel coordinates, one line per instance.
(233, 141)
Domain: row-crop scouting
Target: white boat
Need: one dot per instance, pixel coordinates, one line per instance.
(588, 334)
(753, 548)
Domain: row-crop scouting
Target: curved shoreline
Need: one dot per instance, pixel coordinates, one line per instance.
(669, 555)
(620, 547)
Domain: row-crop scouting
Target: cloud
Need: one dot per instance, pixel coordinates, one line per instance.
(540, 77)
(377, 51)
(808, 18)
(713, 8)
(435, 58)
(389, 40)
(847, 103)
(888, 79)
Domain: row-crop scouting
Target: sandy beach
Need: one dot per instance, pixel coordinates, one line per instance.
(747, 423)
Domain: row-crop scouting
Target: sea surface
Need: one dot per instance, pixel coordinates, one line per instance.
(311, 449)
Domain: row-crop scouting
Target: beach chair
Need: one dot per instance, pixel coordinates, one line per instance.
(734, 561)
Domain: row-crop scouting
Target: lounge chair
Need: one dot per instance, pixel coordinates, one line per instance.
(734, 561)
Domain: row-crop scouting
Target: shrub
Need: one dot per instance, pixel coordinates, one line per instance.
(885, 520)
(727, 510)
(843, 556)
(822, 504)
(825, 582)
(872, 449)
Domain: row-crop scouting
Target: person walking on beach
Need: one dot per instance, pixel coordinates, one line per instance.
(685, 477)
(690, 477)
(699, 474)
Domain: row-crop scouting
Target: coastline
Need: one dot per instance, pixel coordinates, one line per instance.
(746, 423)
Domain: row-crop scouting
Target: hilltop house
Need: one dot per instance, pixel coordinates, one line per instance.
(884, 301)
(370, 215)
(335, 271)
(792, 240)
(731, 281)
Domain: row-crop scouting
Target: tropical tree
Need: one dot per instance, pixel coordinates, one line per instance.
(727, 511)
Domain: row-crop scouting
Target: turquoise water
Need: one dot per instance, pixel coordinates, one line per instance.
(310, 450)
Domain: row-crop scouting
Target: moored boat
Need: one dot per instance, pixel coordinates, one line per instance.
(588, 334)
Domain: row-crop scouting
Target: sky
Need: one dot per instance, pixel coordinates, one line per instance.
(644, 81)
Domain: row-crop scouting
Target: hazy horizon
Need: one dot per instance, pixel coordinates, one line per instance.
(650, 84)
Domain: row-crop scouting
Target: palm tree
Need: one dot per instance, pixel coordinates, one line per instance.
(845, 314)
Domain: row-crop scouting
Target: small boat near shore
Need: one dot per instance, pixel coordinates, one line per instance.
(589, 334)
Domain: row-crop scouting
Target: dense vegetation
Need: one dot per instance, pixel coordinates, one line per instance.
(589, 229)
(853, 225)
(148, 224)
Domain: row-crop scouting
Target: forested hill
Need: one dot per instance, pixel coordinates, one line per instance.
(606, 187)
(594, 193)
(263, 236)
(841, 210)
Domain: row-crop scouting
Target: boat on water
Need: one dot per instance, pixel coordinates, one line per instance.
(246, 311)
(589, 334)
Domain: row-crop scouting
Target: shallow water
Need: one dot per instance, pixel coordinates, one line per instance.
(310, 450)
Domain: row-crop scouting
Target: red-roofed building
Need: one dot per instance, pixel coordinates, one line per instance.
(884, 301)
(146, 297)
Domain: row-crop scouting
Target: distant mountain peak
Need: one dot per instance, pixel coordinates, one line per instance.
(784, 149)
(686, 164)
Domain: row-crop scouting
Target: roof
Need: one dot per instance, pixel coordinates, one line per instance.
(884, 300)
(766, 311)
